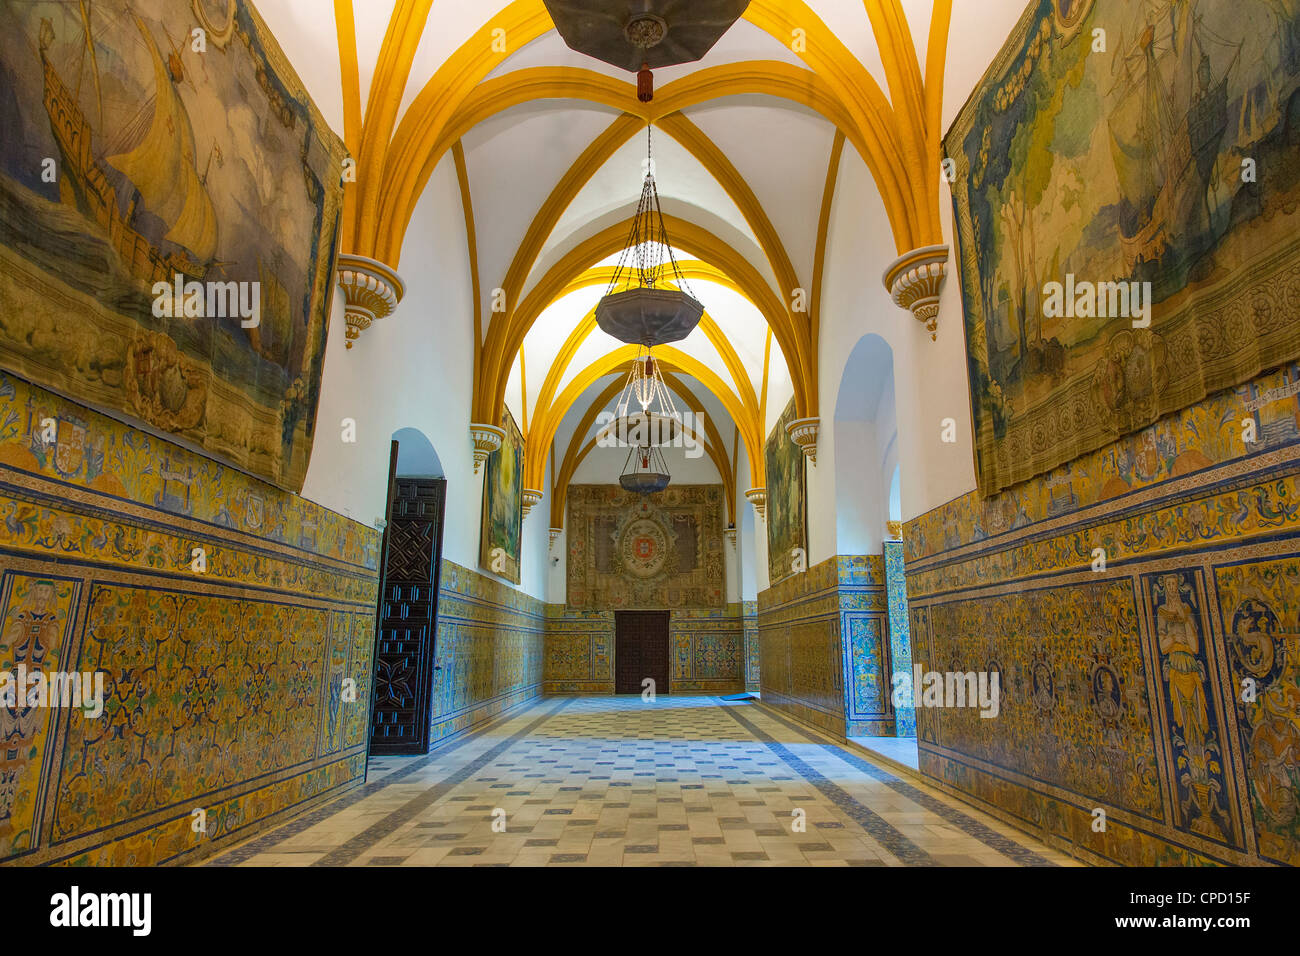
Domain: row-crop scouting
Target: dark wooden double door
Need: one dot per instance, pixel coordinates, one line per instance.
(640, 651)
(408, 617)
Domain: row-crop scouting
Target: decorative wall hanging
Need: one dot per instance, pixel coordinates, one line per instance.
(652, 551)
(1128, 221)
(787, 506)
(168, 223)
(503, 517)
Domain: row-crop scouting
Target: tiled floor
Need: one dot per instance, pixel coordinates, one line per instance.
(613, 781)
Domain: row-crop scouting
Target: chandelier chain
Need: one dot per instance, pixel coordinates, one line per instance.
(647, 251)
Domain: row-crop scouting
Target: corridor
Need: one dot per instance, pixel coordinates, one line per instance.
(610, 781)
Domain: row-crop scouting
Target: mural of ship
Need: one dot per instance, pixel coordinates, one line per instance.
(1168, 122)
(272, 338)
(160, 168)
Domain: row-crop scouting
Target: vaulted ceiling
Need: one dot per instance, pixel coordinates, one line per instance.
(549, 145)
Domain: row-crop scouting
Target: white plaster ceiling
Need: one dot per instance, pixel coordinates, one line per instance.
(513, 161)
(515, 158)
(787, 172)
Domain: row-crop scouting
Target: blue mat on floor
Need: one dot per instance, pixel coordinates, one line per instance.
(741, 697)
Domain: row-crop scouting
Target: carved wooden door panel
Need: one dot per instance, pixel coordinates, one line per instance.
(408, 615)
(640, 651)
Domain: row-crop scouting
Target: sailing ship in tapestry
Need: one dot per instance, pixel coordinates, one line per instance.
(501, 536)
(787, 501)
(1128, 179)
(169, 201)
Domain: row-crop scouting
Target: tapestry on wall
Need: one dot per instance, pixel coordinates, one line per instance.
(503, 515)
(656, 551)
(1127, 220)
(787, 513)
(169, 203)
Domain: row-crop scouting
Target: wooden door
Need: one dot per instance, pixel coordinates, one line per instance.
(408, 617)
(640, 651)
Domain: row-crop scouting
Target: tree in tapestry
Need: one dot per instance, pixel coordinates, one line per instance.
(503, 516)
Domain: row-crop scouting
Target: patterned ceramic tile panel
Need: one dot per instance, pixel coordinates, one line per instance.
(824, 635)
(749, 611)
(864, 627)
(38, 614)
(97, 453)
(1204, 797)
(1052, 648)
(579, 651)
(489, 650)
(1196, 438)
(801, 666)
(1145, 666)
(223, 690)
(900, 642)
(1259, 614)
(707, 648)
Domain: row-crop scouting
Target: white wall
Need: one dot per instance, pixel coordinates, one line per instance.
(930, 378)
(409, 370)
(930, 381)
(750, 526)
(413, 369)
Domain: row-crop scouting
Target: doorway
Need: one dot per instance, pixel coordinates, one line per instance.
(408, 615)
(640, 651)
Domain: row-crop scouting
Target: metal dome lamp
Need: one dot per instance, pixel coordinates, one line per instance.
(648, 301)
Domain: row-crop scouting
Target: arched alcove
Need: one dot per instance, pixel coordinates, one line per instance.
(896, 494)
(416, 456)
(865, 443)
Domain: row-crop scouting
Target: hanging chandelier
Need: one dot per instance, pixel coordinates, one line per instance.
(641, 35)
(648, 301)
(645, 470)
(646, 418)
(644, 413)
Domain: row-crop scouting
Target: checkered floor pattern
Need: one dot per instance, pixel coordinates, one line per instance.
(616, 781)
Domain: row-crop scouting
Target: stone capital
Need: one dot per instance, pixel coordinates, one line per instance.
(371, 291)
(530, 497)
(486, 439)
(803, 432)
(915, 279)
